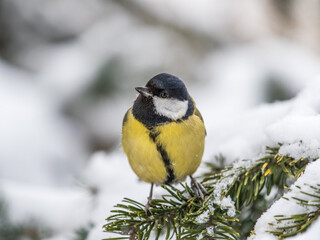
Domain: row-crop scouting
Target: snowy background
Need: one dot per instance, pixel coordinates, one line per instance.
(67, 75)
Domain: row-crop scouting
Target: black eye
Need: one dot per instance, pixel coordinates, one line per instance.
(164, 94)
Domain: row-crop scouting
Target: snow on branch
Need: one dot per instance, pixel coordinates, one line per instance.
(181, 214)
(295, 211)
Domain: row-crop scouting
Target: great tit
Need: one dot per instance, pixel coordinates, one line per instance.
(163, 133)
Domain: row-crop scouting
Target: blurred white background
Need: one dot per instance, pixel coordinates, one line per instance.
(67, 75)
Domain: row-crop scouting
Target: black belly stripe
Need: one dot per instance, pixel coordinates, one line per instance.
(165, 158)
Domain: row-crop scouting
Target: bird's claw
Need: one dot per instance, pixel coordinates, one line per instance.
(198, 189)
(148, 206)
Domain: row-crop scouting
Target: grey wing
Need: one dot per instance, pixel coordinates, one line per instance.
(197, 113)
(125, 118)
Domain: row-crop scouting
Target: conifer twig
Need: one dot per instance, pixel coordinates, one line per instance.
(181, 214)
(288, 226)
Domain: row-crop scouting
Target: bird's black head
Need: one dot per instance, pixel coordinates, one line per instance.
(165, 85)
(164, 98)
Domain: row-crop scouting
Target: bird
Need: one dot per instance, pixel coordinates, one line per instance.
(163, 134)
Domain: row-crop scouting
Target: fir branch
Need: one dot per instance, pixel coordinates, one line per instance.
(180, 214)
(292, 225)
(174, 214)
(247, 182)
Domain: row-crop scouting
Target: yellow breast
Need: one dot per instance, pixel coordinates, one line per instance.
(181, 142)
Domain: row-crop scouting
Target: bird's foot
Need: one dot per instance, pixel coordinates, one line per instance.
(148, 206)
(198, 188)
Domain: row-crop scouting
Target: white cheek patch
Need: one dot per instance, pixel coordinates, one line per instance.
(170, 108)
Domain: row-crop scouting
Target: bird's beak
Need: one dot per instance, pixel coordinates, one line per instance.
(144, 91)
